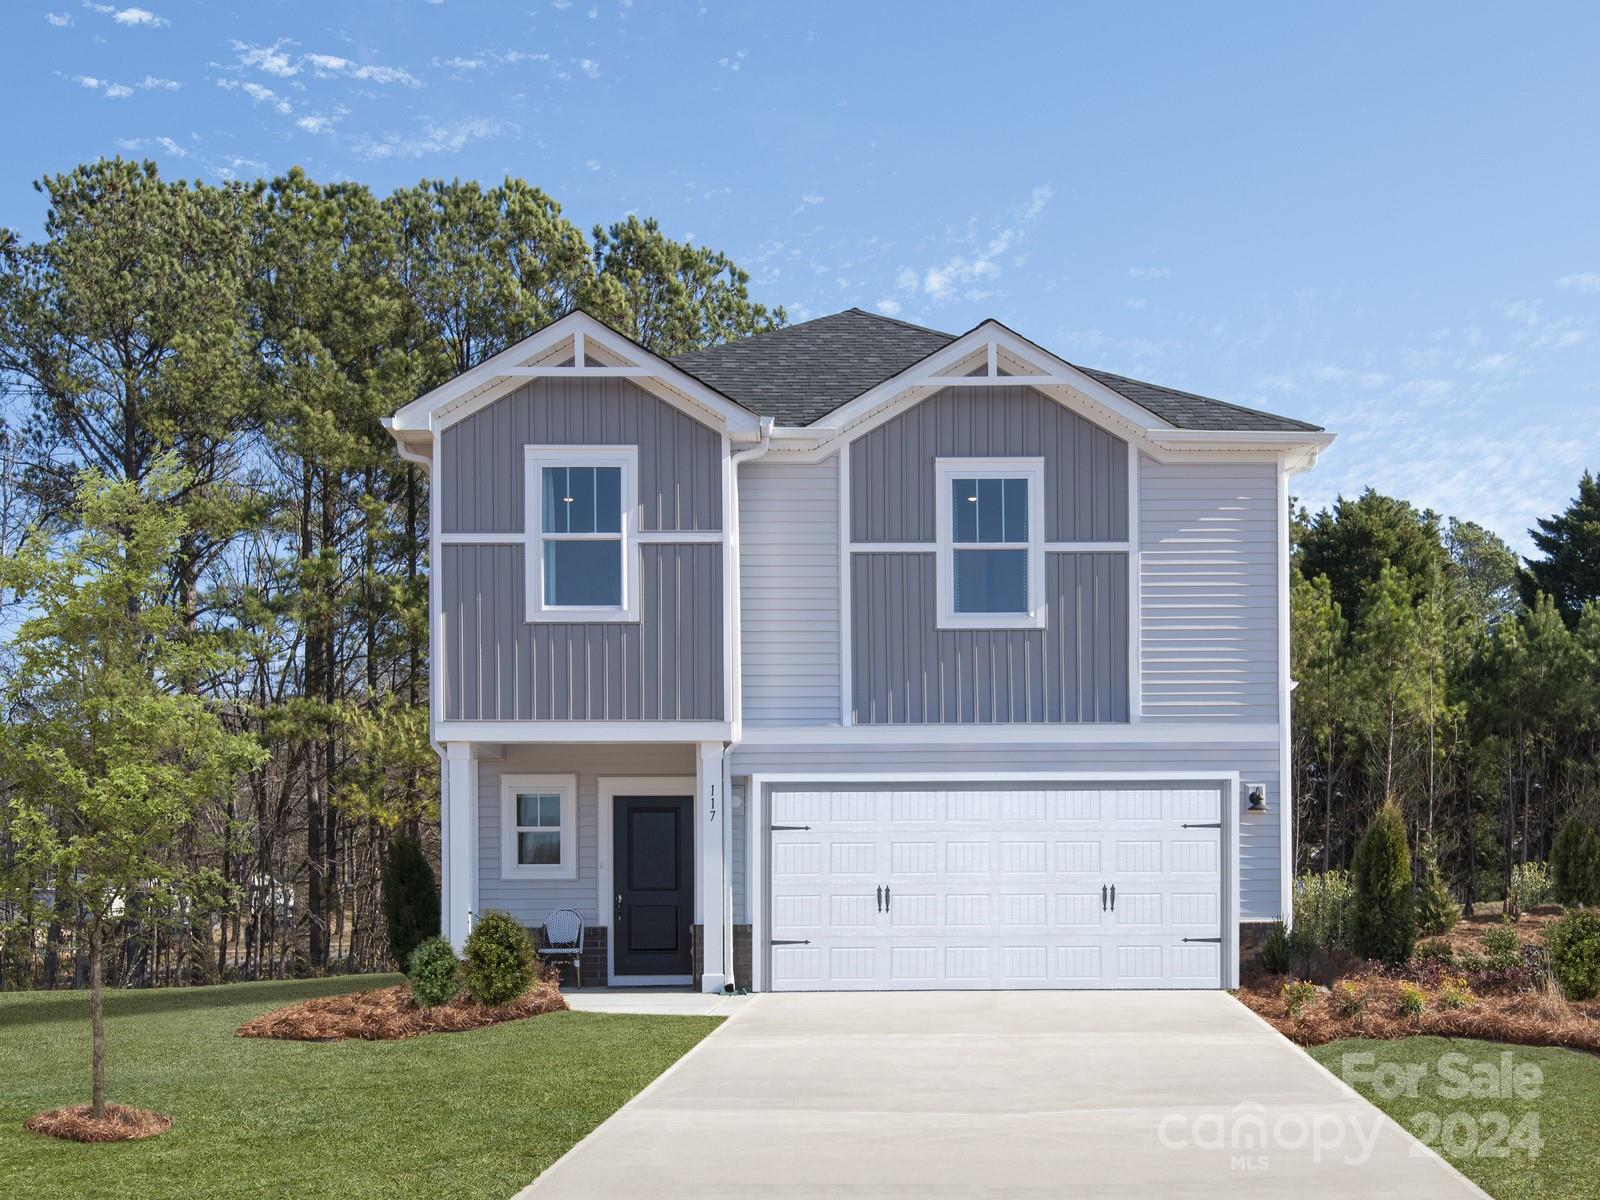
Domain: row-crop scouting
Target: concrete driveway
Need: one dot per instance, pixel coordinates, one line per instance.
(1016, 1094)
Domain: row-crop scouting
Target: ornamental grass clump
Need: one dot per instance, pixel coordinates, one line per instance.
(1454, 992)
(500, 960)
(434, 973)
(1413, 1000)
(1384, 923)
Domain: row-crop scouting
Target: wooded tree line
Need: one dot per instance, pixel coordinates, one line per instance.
(227, 352)
(1437, 668)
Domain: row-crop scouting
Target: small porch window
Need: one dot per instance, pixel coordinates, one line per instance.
(990, 548)
(538, 827)
(581, 516)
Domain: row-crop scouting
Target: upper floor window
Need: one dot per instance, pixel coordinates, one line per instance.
(991, 539)
(581, 514)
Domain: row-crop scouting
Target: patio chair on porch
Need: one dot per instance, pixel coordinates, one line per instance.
(563, 938)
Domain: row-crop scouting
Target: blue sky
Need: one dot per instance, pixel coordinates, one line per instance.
(1381, 218)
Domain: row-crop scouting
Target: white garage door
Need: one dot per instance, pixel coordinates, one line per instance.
(1039, 887)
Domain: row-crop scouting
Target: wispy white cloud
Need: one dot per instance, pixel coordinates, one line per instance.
(327, 66)
(434, 138)
(459, 63)
(269, 59)
(972, 272)
(889, 307)
(592, 163)
(734, 61)
(107, 88)
(59, 20)
(1149, 272)
(315, 123)
(257, 93)
(1583, 281)
(589, 67)
(151, 83)
(136, 144)
(139, 16)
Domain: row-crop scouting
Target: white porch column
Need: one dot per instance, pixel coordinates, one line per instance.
(458, 828)
(710, 811)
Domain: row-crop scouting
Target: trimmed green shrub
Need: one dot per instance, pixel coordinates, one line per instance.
(434, 973)
(1530, 887)
(1502, 947)
(499, 959)
(1436, 952)
(1575, 864)
(1437, 908)
(1383, 925)
(1574, 945)
(1274, 954)
(1454, 992)
(1322, 907)
(1349, 997)
(410, 899)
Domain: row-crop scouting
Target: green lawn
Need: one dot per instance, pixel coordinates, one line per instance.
(457, 1115)
(1466, 1130)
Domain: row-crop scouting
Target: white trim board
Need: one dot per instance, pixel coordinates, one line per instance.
(609, 788)
(582, 731)
(1147, 732)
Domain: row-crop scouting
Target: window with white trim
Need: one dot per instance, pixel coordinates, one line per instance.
(581, 517)
(991, 543)
(538, 827)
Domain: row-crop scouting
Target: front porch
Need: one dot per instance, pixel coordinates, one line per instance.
(639, 839)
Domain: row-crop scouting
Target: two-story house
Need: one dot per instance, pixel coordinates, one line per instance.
(860, 656)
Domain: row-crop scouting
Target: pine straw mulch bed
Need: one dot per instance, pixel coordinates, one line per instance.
(120, 1124)
(1516, 1006)
(387, 1013)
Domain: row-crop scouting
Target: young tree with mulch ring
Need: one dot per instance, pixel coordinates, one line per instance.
(1384, 922)
(108, 757)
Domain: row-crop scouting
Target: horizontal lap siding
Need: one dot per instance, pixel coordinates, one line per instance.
(481, 467)
(908, 671)
(530, 900)
(1259, 870)
(892, 472)
(500, 667)
(1208, 546)
(789, 573)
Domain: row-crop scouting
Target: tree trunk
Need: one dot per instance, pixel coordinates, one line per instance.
(97, 1024)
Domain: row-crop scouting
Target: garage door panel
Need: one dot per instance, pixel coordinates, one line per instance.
(996, 888)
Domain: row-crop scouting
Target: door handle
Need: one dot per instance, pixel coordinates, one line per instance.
(1113, 897)
(888, 901)
(1102, 897)
(619, 906)
(880, 899)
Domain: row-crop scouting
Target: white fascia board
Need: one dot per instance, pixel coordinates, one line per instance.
(1272, 441)
(516, 732)
(1148, 732)
(494, 377)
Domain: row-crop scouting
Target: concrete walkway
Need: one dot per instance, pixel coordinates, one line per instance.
(1015, 1094)
(661, 1002)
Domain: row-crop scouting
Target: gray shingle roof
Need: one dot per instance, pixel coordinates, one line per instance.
(801, 373)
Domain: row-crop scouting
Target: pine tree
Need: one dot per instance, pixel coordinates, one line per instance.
(1570, 542)
(1384, 924)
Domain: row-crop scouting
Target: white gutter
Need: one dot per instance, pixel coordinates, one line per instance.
(736, 700)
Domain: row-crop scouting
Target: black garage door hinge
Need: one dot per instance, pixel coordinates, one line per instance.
(790, 942)
(1215, 939)
(776, 828)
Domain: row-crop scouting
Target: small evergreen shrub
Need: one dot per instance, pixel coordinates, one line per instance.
(1437, 908)
(1575, 864)
(1530, 887)
(1322, 907)
(1349, 998)
(1574, 946)
(499, 959)
(1383, 925)
(1454, 992)
(1502, 948)
(1412, 1000)
(1436, 952)
(1299, 995)
(1274, 954)
(434, 973)
(410, 899)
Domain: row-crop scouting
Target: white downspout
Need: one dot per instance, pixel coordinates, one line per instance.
(736, 701)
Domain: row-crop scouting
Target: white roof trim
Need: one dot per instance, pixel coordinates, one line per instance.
(530, 358)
